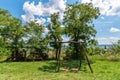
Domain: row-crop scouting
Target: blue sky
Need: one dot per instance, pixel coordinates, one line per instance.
(107, 25)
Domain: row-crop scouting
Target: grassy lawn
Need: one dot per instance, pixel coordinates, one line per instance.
(45, 70)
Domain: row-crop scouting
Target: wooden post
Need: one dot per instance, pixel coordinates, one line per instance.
(80, 62)
(58, 57)
(88, 62)
(86, 57)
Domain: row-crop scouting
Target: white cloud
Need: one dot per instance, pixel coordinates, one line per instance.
(113, 29)
(40, 11)
(48, 20)
(107, 7)
(27, 17)
(108, 40)
(40, 20)
(65, 38)
(102, 17)
(62, 26)
(46, 30)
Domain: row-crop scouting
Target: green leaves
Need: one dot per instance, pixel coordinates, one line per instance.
(5, 17)
(35, 38)
(115, 48)
(78, 20)
(55, 33)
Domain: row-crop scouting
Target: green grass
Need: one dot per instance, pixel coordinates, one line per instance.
(45, 70)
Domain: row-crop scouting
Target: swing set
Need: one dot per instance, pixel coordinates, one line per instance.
(58, 52)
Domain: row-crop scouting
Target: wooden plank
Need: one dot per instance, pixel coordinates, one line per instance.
(68, 42)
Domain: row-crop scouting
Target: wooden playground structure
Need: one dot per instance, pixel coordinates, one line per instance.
(83, 51)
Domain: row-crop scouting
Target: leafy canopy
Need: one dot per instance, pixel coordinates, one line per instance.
(78, 21)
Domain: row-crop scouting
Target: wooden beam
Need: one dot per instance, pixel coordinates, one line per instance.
(69, 42)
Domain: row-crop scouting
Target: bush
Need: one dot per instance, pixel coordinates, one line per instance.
(95, 50)
(114, 49)
(4, 52)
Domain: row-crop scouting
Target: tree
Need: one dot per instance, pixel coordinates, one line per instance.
(55, 31)
(35, 39)
(78, 21)
(5, 18)
(11, 31)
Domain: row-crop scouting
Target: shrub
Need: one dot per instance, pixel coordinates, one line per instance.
(4, 52)
(115, 48)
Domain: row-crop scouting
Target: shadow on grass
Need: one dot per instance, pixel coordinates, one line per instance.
(65, 65)
(49, 67)
(70, 64)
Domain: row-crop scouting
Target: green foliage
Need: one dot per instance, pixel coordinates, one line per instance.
(94, 50)
(115, 48)
(78, 21)
(35, 39)
(11, 32)
(10, 28)
(55, 31)
(5, 17)
(91, 50)
(15, 33)
(5, 53)
(69, 53)
(15, 36)
(3, 43)
(34, 34)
